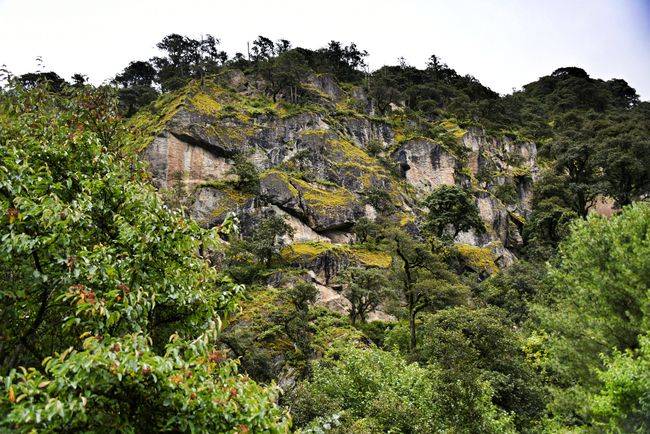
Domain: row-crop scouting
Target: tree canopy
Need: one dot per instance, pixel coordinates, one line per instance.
(110, 311)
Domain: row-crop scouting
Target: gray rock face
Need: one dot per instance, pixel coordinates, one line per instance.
(364, 132)
(504, 161)
(507, 164)
(207, 201)
(311, 204)
(426, 164)
(171, 158)
(319, 167)
(327, 85)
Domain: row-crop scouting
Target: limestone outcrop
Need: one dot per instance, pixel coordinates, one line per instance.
(326, 164)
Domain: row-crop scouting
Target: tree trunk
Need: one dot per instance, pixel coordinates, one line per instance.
(412, 342)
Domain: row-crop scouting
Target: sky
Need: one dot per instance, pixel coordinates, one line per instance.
(503, 43)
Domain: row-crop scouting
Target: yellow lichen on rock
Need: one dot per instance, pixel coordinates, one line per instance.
(370, 258)
(298, 252)
(452, 127)
(349, 151)
(320, 197)
(478, 258)
(206, 104)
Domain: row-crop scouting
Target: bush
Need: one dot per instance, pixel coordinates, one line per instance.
(373, 388)
(99, 276)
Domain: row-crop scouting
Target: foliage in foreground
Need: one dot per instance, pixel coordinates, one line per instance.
(599, 311)
(122, 385)
(370, 390)
(98, 276)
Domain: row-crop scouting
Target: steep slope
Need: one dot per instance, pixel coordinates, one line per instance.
(327, 163)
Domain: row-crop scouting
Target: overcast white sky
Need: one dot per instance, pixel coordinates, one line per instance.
(503, 43)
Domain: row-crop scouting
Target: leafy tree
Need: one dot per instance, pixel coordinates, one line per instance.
(248, 178)
(106, 285)
(263, 49)
(474, 345)
(383, 89)
(50, 79)
(78, 80)
(296, 324)
(623, 154)
(412, 258)
(370, 390)
(436, 65)
(623, 95)
(367, 231)
(621, 405)
(567, 89)
(186, 58)
(267, 238)
(284, 74)
(451, 206)
(418, 272)
(380, 199)
(282, 46)
(575, 159)
(365, 289)
(599, 302)
(122, 385)
(552, 214)
(514, 289)
(136, 86)
(137, 73)
(344, 61)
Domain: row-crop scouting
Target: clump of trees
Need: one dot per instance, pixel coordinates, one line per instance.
(110, 313)
(282, 67)
(452, 210)
(365, 289)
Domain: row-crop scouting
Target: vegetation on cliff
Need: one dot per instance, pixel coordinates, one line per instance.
(121, 313)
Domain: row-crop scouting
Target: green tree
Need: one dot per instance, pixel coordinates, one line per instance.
(624, 154)
(300, 295)
(383, 90)
(50, 79)
(344, 61)
(186, 58)
(418, 273)
(267, 238)
(284, 74)
(471, 346)
(574, 151)
(248, 178)
(552, 214)
(136, 86)
(622, 403)
(599, 303)
(106, 286)
(514, 289)
(368, 390)
(365, 289)
(263, 49)
(451, 206)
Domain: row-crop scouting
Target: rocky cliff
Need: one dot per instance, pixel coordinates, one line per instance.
(329, 162)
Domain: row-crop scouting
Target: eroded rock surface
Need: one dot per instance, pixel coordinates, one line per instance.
(323, 169)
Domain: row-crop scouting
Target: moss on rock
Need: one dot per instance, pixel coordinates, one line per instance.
(306, 252)
(478, 258)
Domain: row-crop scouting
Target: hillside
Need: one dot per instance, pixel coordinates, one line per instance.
(285, 242)
(325, 165)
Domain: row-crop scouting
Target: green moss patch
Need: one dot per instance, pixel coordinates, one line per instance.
(306, 252)
(478, 258)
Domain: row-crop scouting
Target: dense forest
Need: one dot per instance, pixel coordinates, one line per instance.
(488, 255)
